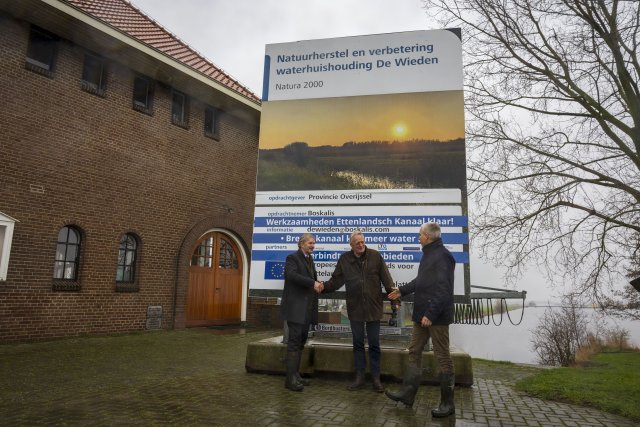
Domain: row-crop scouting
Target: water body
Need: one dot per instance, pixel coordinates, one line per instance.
(513, 343)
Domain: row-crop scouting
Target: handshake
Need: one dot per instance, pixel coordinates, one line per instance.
(318, 287)
(395, 294)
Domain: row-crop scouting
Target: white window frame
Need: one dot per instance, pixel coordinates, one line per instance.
(6, 236)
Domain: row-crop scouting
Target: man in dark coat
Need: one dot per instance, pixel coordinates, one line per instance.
(362, 270)
(299, 306)
(432, 315)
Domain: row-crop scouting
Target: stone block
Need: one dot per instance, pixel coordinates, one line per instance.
(267, 356)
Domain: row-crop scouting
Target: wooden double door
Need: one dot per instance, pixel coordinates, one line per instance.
(214, 296)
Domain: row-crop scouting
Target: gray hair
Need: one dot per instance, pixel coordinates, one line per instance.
(431, 229)
(305, 238)
(355, 234)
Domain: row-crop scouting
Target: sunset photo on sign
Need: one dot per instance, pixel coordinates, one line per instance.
(409, 140)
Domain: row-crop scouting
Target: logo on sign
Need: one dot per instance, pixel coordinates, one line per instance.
(274, 270)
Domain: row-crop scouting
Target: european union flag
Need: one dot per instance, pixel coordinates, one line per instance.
(274, 270)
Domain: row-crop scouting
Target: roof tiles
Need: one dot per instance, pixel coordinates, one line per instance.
(129, 20)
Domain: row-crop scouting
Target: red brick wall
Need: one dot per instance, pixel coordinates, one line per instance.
(264, 312)
(71, 157)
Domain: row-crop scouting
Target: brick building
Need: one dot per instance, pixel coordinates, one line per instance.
(127, 175)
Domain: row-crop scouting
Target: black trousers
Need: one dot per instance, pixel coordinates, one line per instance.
(298, 333)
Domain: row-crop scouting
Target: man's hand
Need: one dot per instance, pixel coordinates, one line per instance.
(318, 287)
(395, 294)
(425, 322)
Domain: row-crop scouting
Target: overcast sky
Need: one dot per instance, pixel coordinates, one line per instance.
(233, 35)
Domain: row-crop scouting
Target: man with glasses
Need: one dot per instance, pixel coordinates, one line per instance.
(362, 271)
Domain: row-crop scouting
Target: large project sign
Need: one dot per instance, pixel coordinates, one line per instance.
(361, 133)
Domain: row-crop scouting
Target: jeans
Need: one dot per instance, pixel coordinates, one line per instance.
(373, 339)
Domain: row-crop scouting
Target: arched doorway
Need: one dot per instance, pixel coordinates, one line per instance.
(214, 296)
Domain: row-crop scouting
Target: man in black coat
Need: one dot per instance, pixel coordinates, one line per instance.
(432, 315)
(363, 273)
(299, 306)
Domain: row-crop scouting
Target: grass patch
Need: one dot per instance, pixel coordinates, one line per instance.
(493, 362)
(610, 383)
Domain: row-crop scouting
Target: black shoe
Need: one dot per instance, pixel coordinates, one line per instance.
(358, 383)
(377, 384)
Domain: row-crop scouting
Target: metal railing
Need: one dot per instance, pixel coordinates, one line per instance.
(482, 308)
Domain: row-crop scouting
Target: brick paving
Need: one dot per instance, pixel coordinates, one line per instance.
(197, 377)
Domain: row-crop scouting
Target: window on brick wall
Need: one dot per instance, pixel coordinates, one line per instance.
(227, 256)
(203, 255)
(127, 260)
(6, 236)
(94, 74)
(179, 104)
(67, 258)
(212, 123)
(41, 52)
(143, 94)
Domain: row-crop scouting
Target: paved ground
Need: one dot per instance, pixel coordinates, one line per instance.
(197, 377)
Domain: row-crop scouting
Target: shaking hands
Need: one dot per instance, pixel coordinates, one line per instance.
(318, 287)
(395, 294)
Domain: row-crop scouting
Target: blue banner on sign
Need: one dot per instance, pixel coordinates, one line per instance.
(332, 256)
(369, 238)
(359, 221)
(274, 270)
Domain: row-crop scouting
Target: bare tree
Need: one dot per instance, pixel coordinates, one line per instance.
(553, 112)
(560, 334)
(624, 303)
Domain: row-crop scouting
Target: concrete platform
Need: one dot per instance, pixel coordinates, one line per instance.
(334, 357)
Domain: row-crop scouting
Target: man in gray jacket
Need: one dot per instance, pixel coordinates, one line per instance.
(362, 270)
(432, 315)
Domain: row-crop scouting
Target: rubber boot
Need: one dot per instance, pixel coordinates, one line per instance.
(305, 382)
(358, 382)
(292, 363)
(409, 389)
(377, 384)
(446, 407)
